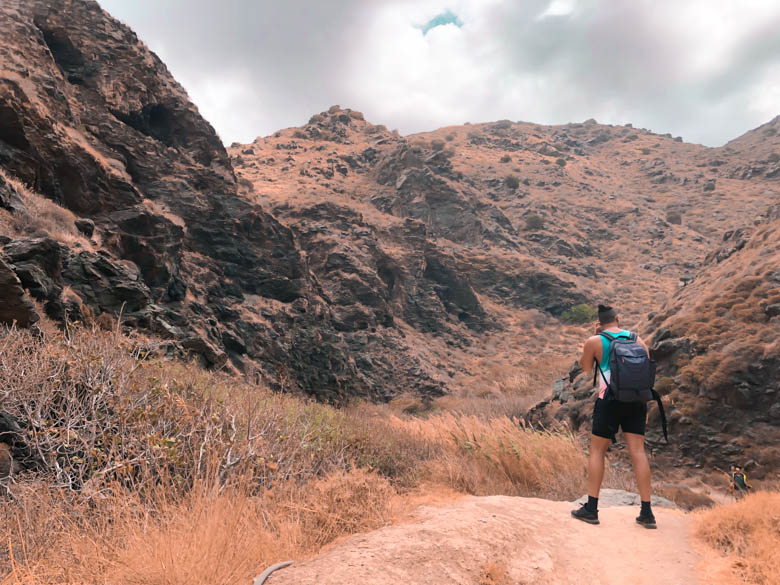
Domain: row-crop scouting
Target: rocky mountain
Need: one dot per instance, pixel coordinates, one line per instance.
(92, 120)
(339, 258)
(499, 218)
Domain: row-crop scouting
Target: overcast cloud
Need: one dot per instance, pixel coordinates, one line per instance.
(707, 70)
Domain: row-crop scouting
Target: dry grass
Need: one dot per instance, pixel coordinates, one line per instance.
(157, 472)
(206, 536)
(480, 456)
(41, 216)
(747, 531)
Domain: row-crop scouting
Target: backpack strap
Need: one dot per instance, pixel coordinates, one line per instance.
(608, 335)
(632, 336)
(662, 412)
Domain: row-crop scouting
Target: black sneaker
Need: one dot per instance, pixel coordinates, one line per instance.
(586, 515)
(646, 521)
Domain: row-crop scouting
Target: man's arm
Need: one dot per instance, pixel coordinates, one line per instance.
(589, 353)
(643, 344)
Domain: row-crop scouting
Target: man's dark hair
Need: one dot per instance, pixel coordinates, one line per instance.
(607, 315)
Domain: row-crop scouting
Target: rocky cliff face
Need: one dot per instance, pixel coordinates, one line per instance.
(338, 258)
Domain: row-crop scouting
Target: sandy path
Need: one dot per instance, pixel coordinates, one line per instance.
(536, 541)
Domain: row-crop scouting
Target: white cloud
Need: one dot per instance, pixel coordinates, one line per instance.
(702, 69)
(558, 8)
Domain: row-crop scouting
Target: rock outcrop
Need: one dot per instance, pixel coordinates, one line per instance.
(14, 307)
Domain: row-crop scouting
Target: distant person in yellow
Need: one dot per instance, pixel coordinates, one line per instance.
(739, 483)
(611, 414)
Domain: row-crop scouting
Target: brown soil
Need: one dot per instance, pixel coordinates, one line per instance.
(530, 541)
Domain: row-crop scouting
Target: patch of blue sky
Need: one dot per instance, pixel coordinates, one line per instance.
(443, 19)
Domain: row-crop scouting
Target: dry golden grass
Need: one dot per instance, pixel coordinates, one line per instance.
(480, 456)
(157, 472)
(748, 531)
(206, 536)
(41, 216)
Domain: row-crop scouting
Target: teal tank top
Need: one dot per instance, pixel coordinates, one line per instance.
(606, 343)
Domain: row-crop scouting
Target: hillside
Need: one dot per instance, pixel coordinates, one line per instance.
(716, 343)
(508, 224)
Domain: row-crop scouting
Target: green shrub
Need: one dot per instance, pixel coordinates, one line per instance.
(506, 158)
(534, 222)
(449, 137)
(437, 145)
(664, 385)
(561, 162)
(674, 217)
(512, 182)
(582, 313)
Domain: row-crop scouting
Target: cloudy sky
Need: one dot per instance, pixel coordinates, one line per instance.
(707, 70)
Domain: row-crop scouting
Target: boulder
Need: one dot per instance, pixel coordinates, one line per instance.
(9, 197)
(85, 226)
(14, 306)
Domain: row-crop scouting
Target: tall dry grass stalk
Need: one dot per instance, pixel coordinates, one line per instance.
(749, 531)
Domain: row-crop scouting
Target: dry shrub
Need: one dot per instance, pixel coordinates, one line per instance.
(748, 531)
(100, 407)
(493, 573)
(684, 497)
(342, 503)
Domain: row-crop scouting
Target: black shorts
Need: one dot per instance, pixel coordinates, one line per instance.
(610, 415)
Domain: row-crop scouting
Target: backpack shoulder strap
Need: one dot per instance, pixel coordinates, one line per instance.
(657, 398)
(607, 335)
(632, 336)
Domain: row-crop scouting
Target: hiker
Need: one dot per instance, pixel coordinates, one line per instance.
(739, 484)
(611, 350)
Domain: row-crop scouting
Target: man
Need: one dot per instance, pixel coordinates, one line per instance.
(608, 417)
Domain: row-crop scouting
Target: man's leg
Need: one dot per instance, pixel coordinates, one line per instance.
(636, 447)
(598, 450)
(589, 512)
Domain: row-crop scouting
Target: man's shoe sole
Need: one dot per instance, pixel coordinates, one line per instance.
(648, 525)
(588, 520)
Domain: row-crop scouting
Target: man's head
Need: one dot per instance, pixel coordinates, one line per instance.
(607, 316)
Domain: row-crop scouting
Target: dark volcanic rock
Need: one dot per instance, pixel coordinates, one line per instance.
(38, 264)
(14, 307)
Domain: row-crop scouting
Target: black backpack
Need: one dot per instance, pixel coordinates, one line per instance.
(632, 374)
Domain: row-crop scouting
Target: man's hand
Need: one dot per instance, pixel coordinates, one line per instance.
(597, 328)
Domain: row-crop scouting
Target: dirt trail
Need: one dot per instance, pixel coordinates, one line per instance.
(534, 541)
